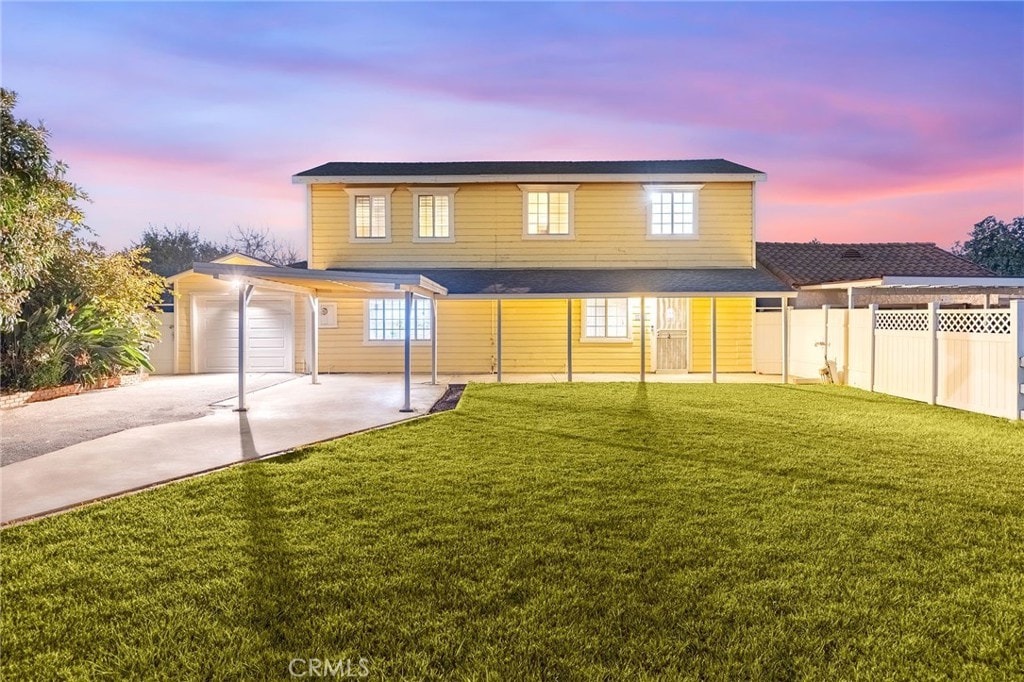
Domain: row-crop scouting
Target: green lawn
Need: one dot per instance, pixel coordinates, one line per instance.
(586, 531)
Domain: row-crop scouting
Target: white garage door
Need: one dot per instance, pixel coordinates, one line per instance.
(270, 323)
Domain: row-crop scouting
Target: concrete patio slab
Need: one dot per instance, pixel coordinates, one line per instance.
(280, 417)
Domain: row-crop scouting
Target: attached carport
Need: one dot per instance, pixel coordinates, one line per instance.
(311, 284)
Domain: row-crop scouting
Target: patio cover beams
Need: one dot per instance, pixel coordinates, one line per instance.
(366, 284)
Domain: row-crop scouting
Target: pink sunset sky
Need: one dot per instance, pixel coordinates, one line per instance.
(873, 121)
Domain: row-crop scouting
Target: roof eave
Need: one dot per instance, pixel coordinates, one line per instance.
(526, 177)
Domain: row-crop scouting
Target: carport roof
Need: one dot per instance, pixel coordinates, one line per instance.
(340, 281)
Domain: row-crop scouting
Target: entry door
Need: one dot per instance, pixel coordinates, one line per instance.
(671, 334)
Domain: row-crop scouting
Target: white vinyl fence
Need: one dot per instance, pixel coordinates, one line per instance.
(969, 359)
(162, 352)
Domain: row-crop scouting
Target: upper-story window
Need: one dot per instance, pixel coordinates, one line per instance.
(370, 214)
(434, 214)
(672, 211)
(548, 210)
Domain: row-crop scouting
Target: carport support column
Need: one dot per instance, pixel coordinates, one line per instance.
(714, 340)
(643, 339)
(568, 339)
(407, 407)
(244, 294)
(433, 340)
(314, 338)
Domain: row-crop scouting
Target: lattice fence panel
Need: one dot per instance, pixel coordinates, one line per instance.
(902, 320)
(975, 321)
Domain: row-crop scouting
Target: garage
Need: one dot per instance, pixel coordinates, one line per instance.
(270, 332)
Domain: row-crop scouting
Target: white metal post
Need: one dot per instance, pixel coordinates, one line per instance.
(433, 340)
(871, 361)
(407, 407)
(1017, 343)
(499, 342)
(314, 336)
(714, 340)
(244, 294)
(568, 339)
(643, 339)
(846, 336)
(933, 352)
(824, 309)
(785, 340)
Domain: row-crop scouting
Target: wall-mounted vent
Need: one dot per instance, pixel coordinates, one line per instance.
(851, 254)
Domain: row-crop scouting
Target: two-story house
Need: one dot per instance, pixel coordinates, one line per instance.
(538, 267)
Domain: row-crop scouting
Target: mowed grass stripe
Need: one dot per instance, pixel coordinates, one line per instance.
(586, 531)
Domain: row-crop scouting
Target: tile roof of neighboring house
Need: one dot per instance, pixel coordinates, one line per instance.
(471, 168)
(555, 281)
(800, 264)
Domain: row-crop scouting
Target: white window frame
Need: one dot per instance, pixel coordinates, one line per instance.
(585, 336)
(565, 189)
(650, 190)
(433, 192)
(417, 303)
(354, 192)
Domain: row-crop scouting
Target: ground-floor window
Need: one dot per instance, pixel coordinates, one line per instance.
(385, 319)
(606, 318)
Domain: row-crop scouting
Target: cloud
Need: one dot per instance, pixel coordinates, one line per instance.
(850, 108)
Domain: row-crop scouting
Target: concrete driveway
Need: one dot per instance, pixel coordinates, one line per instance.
(38, 428)
(282, 416)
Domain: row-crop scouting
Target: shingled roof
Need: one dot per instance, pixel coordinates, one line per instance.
(516, 168)
(594, 281)
(800, 264)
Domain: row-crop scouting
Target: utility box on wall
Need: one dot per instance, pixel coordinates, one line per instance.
(328, 315)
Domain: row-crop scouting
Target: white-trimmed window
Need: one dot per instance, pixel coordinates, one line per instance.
(606, 319)
(548, 211)
(672, 211)
(385, 319)
(433, 215)
(370, 214)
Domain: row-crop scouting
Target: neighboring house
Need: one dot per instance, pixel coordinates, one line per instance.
(893, 275)
(529, 264)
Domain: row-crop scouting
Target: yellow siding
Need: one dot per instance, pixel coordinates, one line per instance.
(533, 340)
(610, 229)
(240, 259)
(735, 334)
(186, 287)
(465, 341)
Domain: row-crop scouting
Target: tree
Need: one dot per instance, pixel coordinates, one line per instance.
(70, 312)
(173, 250)
(995, 245)
(261, 244)
(38, 207)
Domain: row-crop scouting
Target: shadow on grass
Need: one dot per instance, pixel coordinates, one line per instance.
(272, 591)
